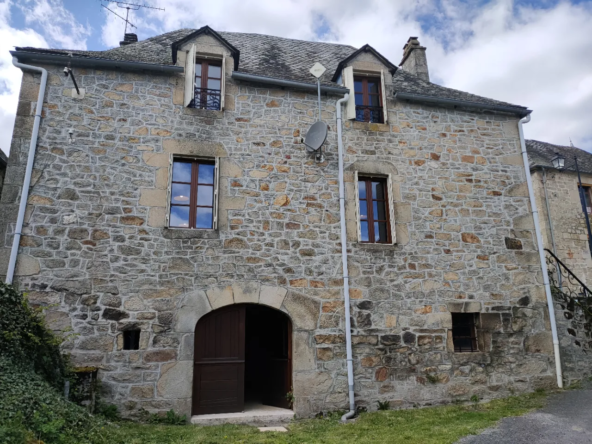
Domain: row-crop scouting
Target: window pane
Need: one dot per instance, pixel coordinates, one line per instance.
(181, 172)
(205, 195)
(362, 189)
(198, 69)
(379, 231)
(198, 82)
(358, 86)
(214, 71)
(214, 84)
(181, 194)
(374, 101)
(364, 229)
(205, 173)
(363, 210)
(586, 193)
(377, 190)
(359, 99)
(204, 218)
(179, 216)
(379, 210)
(372, 87)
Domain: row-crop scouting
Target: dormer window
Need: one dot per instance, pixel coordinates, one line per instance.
(204, 80)
(368, 100)
(208, 85)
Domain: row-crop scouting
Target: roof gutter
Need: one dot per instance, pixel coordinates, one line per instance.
(288, 83)
(522, 112)
(91, 62)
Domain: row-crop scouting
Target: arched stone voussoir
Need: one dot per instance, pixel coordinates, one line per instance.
(192, 306)
(303, 310)
(195, 304)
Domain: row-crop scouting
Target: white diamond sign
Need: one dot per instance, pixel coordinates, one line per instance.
(317, 70)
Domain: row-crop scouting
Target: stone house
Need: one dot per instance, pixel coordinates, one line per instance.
(177, 224)
(565, 233)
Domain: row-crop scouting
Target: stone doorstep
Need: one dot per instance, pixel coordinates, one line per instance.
(273, 429)
(254, 414)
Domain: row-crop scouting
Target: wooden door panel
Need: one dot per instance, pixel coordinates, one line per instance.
(218, 383)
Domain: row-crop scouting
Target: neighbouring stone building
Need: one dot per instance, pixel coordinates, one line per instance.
(564, 230)
(440, 238)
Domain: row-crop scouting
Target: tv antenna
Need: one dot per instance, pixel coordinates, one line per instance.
(129, 7)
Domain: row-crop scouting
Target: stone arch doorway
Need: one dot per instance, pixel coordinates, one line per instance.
(243, 356)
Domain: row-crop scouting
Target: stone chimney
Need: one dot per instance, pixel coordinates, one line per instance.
(130, 37)
(414, 59)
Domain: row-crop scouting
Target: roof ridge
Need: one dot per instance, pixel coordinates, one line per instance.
(287, 38)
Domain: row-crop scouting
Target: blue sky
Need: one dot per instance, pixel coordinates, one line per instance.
(533, 53)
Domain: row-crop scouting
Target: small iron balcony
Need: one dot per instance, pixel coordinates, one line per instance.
(206, 99)
(372, 114)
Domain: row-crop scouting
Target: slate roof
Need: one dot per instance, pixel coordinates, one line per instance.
(540, 154)
(272, 56)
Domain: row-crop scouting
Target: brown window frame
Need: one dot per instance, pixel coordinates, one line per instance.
(367, 116)
(465, 320)
(204, 77)
(370, 209)
(194, 190)
(587, 191)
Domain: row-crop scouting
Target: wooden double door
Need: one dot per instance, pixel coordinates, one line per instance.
(241, 349)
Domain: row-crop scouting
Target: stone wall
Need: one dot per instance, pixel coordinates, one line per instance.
(571, 242)
(94, 247)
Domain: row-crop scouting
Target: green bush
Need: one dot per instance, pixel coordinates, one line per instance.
(25, 340)
(32, 375)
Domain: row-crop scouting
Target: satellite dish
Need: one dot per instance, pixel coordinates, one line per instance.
(316, 136)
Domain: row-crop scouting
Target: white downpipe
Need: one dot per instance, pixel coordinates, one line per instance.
(537, 229)
(348, 342)
(28, 172)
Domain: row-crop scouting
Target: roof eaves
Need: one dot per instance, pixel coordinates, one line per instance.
(208, 31)
(518, 110)
(366, 48)
(86, 61)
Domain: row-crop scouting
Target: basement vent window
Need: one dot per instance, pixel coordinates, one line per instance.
(131, 340)
(464, 332)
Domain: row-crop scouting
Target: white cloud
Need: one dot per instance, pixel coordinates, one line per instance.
(54, 26)
(59, 26)
(10, 77)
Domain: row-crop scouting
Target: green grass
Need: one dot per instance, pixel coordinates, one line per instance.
(435, 425)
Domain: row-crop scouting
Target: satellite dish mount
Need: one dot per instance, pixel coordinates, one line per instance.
(317, 134)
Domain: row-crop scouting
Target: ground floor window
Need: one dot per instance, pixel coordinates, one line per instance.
(464, 332)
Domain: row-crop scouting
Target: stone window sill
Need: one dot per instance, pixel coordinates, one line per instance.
(185, 233)
(376, 246)
(212, 114)
(367, 126)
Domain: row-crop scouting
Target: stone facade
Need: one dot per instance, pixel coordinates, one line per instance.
(571, 242)
(95, 246)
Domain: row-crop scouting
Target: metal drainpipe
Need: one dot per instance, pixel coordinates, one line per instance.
(348, 343)
(551, 225)
(29, 170)
(537, 229)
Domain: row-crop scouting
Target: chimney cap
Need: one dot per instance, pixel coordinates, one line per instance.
(412, 41)
(129, 38)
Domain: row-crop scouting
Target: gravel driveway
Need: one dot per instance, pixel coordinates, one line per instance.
(567, 418)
